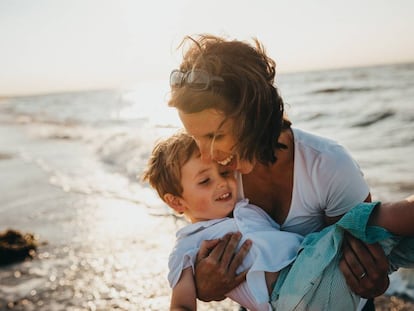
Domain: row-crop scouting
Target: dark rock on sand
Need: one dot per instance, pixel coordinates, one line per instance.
(16, 246)
(6, 156)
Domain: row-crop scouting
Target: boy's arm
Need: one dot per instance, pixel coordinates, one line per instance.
(184, 293)
(398, 217)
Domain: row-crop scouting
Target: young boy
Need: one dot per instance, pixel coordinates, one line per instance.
(285, 271)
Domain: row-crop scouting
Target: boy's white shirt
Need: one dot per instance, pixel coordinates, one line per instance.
(272, 250)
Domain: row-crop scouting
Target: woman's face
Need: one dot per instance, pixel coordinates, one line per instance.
(214, 137)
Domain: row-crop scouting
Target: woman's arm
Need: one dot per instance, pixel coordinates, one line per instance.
(184, 293)
(216, 265)
(397, 218)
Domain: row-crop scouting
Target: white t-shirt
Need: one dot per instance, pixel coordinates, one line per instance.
(327, 181)
(271, 251)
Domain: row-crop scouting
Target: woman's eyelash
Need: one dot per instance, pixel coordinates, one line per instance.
(218, 136)
(215, 136)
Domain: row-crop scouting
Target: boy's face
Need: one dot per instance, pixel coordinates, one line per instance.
(210, 190)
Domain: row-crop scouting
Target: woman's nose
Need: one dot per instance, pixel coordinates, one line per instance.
(205, 151)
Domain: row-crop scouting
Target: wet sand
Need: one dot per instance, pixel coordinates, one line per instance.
(393, 303)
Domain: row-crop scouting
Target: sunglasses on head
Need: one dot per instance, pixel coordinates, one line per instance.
(196, 79)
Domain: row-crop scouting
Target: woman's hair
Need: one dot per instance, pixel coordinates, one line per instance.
(163, 171)
(247, 95)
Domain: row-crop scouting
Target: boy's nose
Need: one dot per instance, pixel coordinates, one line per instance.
(222, 182)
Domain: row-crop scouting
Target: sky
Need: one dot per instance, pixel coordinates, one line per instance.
(56, 45)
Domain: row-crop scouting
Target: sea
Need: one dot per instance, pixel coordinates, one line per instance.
(70, 166)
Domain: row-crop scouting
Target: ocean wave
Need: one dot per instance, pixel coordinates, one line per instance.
(126, 153)
(330, 90)
(374, 118)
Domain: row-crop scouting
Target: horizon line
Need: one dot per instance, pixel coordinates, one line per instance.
(126, 88)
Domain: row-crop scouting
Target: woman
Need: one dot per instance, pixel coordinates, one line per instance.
(226, 99)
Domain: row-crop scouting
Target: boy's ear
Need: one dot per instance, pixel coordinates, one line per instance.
(174, 202)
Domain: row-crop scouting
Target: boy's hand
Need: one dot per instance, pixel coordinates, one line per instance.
(365, 267)
(216, 265)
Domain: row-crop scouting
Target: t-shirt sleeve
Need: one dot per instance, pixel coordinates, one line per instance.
(342, 182)
(179, 260)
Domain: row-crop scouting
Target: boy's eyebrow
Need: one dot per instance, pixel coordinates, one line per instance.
(202, 171)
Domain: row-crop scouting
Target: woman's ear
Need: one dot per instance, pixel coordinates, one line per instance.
(174, 202)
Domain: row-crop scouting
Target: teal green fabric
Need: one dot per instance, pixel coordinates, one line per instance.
(314, 281)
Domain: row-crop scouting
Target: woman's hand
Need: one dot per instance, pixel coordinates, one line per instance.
(216, 265)
(365, 267)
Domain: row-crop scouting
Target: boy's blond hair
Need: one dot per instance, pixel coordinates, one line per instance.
(163, 170)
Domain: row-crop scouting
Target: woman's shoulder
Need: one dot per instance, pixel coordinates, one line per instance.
(313, 140)
(309, 144)
(324, 160)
